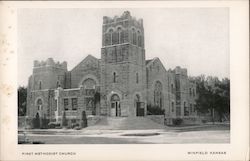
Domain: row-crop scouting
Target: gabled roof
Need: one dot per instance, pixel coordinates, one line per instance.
(148, 62)
(89, 57)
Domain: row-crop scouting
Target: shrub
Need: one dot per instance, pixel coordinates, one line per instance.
(177, 121)
(204, 121)
(84, 122)
(64, 120)
(36, 121)
(73, 125)
(155, 110)
(53, 125)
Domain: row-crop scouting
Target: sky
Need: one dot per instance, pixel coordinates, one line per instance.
(193, 38)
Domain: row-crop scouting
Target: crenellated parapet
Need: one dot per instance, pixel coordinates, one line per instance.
(122, 29)
(125, 16)
(50, 62)
(181, 71)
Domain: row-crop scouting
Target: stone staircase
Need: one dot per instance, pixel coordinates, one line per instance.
(125, 123)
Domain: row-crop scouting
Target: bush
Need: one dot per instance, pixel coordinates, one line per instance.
(64, 120)
(53, 125)
(73, 125)
(155, 110)
(84, 121)
(204, 121)
(36, 122)
(177, 121)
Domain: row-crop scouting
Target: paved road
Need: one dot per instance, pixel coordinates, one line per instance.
(191, 135)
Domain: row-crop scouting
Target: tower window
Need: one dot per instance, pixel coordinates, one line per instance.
(137, 78)
(139, 39)
(114, 77)
(119, 35)
(133, 36)
(111, 33)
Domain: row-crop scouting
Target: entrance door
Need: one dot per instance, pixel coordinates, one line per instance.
(115, 106)
(139, 109)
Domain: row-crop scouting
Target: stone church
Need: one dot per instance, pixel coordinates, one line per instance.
(120, 84)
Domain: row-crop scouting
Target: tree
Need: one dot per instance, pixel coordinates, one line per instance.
(213, 94)
(84, 122)
(22, 100)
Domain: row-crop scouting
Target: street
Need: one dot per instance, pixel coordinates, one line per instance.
(185, 135)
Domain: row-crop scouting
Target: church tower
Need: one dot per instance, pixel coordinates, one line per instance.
(123, 71)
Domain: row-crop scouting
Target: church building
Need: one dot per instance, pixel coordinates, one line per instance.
(120, 84)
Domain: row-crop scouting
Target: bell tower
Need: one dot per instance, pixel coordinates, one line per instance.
(123, 70)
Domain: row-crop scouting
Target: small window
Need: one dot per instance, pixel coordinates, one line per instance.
(40, 85)
(190, 91)
(137, 78)
(66, 104)
(74, 103)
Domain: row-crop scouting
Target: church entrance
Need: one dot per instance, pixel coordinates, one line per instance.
(115, 106)
(139, 106)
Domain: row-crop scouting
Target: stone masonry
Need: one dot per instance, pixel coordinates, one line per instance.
(120, 84)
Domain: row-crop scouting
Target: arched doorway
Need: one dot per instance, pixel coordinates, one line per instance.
(115, 105)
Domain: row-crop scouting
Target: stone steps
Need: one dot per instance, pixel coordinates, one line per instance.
(126, 123)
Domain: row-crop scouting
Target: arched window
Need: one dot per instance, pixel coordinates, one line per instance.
(137, 78)
(114, 77)
(172, 106)
(191, 107)
(139, 38)
(111, 34)
(89, 83)
(134, 36)
(186, 112)
(39, 104)
(172, 88)
(119, 30)
(158, 94)
(40, 85)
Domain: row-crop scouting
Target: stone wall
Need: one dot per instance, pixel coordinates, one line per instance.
(156, 118)
(88, 68)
